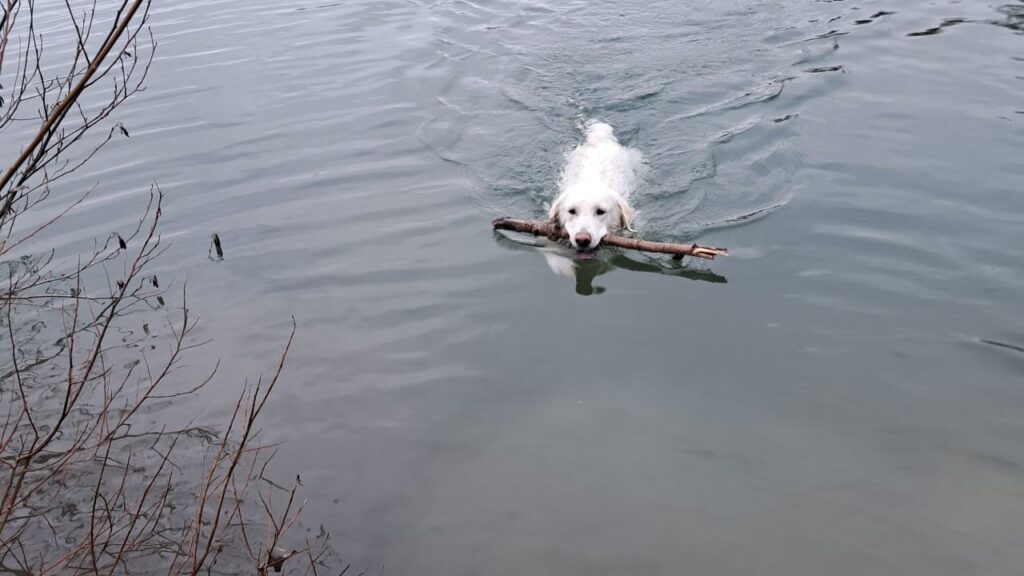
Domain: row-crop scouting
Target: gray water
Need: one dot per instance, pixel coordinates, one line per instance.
(842, 395)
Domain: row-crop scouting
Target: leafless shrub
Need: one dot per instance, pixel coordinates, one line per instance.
(85, 487)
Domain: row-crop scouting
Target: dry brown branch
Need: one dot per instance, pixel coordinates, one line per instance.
(81, 443)
(27, 179)
(87, 484)
(554, 231)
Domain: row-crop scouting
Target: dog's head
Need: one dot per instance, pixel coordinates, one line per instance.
(588, 215)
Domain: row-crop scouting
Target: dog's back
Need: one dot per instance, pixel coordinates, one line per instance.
(601, 159)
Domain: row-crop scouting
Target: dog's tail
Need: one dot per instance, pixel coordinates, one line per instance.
(599, 131)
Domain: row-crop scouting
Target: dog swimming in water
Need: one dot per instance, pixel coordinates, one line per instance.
(599, 176)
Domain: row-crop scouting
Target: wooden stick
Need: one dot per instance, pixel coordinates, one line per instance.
(555, 232)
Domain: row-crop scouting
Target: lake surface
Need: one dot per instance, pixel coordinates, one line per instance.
(843, 395)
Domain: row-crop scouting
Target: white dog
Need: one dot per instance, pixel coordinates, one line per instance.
(596, 183)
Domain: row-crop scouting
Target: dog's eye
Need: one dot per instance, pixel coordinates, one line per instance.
(600, 211)
(572, 211)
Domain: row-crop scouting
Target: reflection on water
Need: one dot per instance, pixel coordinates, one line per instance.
(936, 29)
(584, 272)
(587, 272)
(1013, 19)
(847, 403)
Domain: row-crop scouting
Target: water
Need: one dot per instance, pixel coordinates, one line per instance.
(842, 395)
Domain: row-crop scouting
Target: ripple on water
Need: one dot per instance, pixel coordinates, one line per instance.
(865, 349)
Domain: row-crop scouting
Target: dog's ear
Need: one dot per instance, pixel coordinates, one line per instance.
(556, 207)
(625, 215)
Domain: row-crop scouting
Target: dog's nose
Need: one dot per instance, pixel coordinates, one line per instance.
(583, 239)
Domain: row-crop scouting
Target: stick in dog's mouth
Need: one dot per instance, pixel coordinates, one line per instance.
(555, 233)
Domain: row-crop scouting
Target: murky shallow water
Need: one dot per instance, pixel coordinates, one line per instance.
(842, 395)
